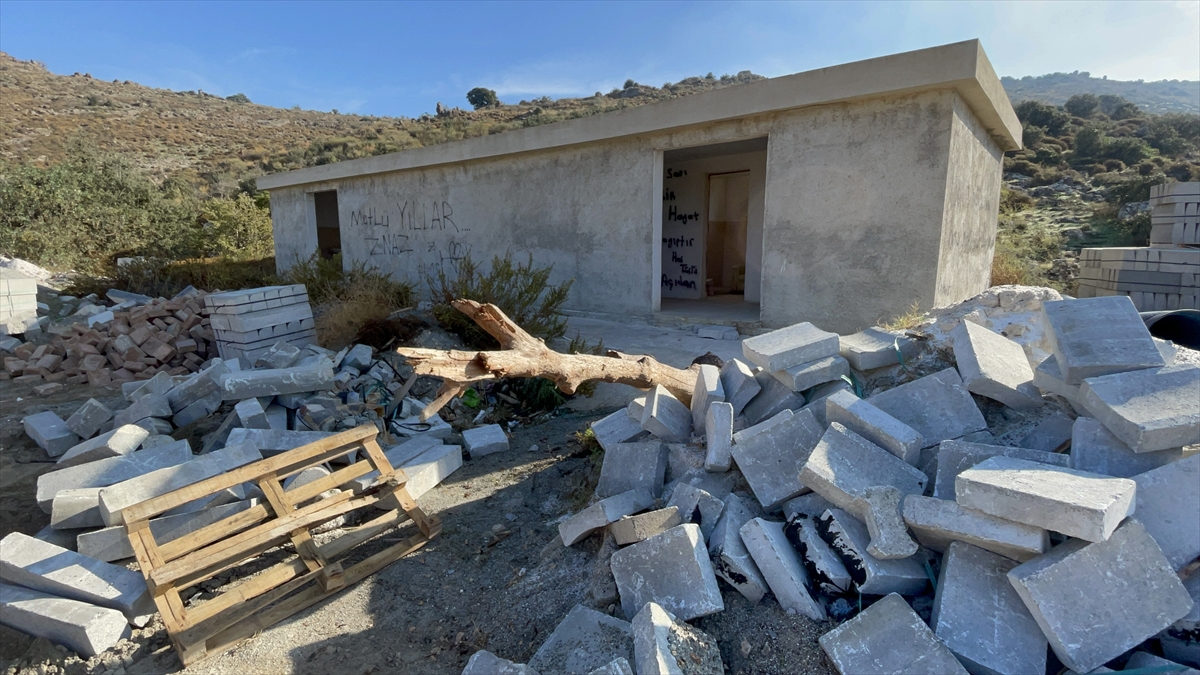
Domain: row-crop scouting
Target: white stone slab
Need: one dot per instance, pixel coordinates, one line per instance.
(708, 390)
(120, 441)
(888, 638)
(109, 471)
(737, 379)
(1168, 505)
(844, 465)
(672, 569)
(875, 348)
(781, 567)
(582, 642)
(616, 428)
(83, 627)
(771, 460)
(629, 466)
(718, 433)
(1095, 449)
(808, 375)
(937, 406)
(603, 512)
(731, 561)
(50, 432)
(786, 347)
(1153, 409)
(485, 440)
(665, 417)
(939, 522)
(876, 426)
(994, 366)
(1098, 336)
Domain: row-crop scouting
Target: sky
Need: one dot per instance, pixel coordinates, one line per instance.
(394, 58)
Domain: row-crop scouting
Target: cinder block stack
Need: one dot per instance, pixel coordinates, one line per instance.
(18, 302)
(1154, 278)
(248, 322)
(1175, 214)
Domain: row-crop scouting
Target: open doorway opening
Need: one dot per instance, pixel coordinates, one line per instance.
(329, 231)
(725, 236)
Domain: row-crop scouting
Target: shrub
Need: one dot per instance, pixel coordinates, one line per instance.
(1048, 156)
(523, 292)
(1110, 230)
(1089, 143)
(1024, 167)
(1039, 114)
(479, 97)
(1024, 251)
(1128, 150)
(158, 277)
(238, 98)
(237, 229)
(1031, 135)
(1114, 165)
(346, 300)
(1013, 201)
(1082, 105)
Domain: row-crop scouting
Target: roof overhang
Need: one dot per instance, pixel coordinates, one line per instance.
(961, 66)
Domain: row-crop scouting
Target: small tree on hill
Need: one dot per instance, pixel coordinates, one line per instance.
(1082, 105)
(479, 97)
(238, 98)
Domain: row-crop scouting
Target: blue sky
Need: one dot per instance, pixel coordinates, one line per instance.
(402, 58)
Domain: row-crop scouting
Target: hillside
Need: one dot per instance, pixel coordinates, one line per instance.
(1166, 96)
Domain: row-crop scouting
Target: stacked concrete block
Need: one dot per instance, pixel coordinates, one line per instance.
(1175, 215)
(781, 567)
(875, 348)
(50, 432)
(18, 302)
(939, 522)
(849, 539)
(672, 569)
(771, 460)
(994, 366)
(630, 466)
(249, 322)
(888, 638)
(666, 417)
(825, 569)
(1168, 505)
(663, 645)
(731, 561)
(708, 390)
(981, 618)
(105, 472)
(876, 426)
(112, 543)
(737, 379)
(954, 457)
(1098, 336)
(804, 376)
(1072, 592)
(1154, 279)
(603, 512)
(1150, 410)
(616, 428)
(120, 441)
(485, 440)
(584, 641)
(718, 434)
(632, 529)
(88, 419)
(1094, 448)
(788, 347)
(937, 406)
(83, 627)
(773, 398)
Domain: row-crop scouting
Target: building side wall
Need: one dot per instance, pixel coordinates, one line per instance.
(972, 203)
(854, 207)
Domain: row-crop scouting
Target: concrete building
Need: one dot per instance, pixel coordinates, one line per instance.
(839, 196)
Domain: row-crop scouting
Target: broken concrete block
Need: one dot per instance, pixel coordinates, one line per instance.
(1076, 503)
(980, 617)
(83, 627)
(672, 569)
(397, 455)
(708, 390)
(663, 646)
(156, 426)
(939, 522)
(632, 529)
(280, 355)
(629, 466)
(114, 498)
(739, 384)
(880, 506)
(874, 425)
(875, 348)
(665, 417)
(106, 472)
(75, 509)
(779, 418)
(888, 638)
(718, 433)
(197, 410)
(819, 397)
(251, 415)
(811, 505)
(484, 662)
(1072, 592)
(717, 332)
(1168, 506)
(697, 506)
(731, 561)
(1148, 409)
(1050, 435)
(199, 386)
(602, 513)
(44, 567)
(808, 375)
(786, 347)
(86, 421)
(485, 440)
(584, 641)
(954, 457)
(994, 366)
(271, 442)
(937, 406)
(251, 383)
(618, 666)
(616, 428)
(774, 398)
(150, 405)
(1095, 449)
(50, 433)
(358, 357)
(120, 441)
(112, 543)
(848, 537)
(772, 459)
(1091, 337)
(1048, 379)
(635, 408)
(781, 567)
(825, 569)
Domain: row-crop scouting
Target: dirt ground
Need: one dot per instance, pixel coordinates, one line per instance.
(497, 577)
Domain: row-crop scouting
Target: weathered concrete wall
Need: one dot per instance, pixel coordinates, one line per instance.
(972, 201)
(293, 220)
(854, 206)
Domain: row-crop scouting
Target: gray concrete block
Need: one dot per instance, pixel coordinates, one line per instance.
(201, 385)
(277, 417)
(937, 406)
(994, 366)
(616, 428)
(672, 569)
(86, 421)
(484, 662)
(742, 435)
(156, 427)
(1095, 449)
(1098, 336)
(61, 538)
(811, 505)
(708, 390)
(786, 347)
(739, 384)
(75, 509)
(603, 512)
(663, 646)
(781, 567)
(1072, 592)
(1168, 505)
(876, 426)
(848, 537)
(819, 398)
(485, 440)
(428, 470)
(120, 441)
(197, 410)
(774, 398)
(665, 417)
(888, 638)
(150, 405)
(771, 460)
(635, 408)
(83, 627)
(280, 355)
(50, 432)
(808, 375)
(939, 522)
(731, 561)
(632, 529)
(1050, 435)
(875, 348)
(717, 332)
(41, 566)
(271, 442)
(1148, 409)
(251, 383)
(114, 498)
(161, 383)
(880, 506)
(358, 357)
(697, 506)
(110, 544)
(954, 457)
(397, 455)
(1076, 503)
(629, 466)
(980, 617)
(618, 666)
(251, 415)
(582, 642)
(1049, 379)
(825, 569)
(718, 433)
(104, 472)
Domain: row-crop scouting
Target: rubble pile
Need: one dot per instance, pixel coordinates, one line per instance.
(934, 544)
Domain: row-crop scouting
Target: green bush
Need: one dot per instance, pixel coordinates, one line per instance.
(481, 97)
(1089, 144)
(1012, 201)
(1082, 105)
(157, 277)
(1031, 135)
(238, 98)
(236, 229)
(1110, 230)
(1039, 114)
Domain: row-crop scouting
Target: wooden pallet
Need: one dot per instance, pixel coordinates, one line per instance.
(262, 600)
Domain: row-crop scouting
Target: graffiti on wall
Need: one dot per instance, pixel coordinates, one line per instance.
(680, 270)
(424, 229)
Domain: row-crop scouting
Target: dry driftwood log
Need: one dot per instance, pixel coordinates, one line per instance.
(522, 355)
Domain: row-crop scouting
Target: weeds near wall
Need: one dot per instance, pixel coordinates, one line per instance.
(346, 300)
(164, 278)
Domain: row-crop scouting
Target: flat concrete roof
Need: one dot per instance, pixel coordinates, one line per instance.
(961, 66)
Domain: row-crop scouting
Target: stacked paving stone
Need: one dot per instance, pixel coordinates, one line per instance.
(1175, 214)
(246, 323)
(1155, 279)
(18, 302)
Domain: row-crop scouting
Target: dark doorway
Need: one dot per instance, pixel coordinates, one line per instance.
(329, 231)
